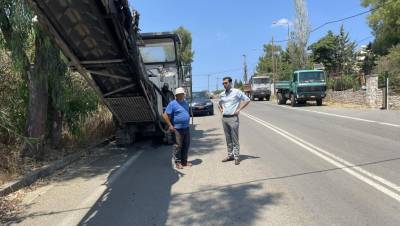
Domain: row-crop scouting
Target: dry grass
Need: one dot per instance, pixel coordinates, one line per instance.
(95, 129)
(9, 207)
(345, 105)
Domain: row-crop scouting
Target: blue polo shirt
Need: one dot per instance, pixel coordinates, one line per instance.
(179, 113)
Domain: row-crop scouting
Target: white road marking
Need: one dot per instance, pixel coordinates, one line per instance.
(340, 116)
(86, 204)
(346, 166)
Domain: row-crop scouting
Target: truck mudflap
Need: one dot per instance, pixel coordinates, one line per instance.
(100, 40)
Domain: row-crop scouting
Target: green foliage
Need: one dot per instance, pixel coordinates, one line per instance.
(336, 52)
(13, 102)
(283, 64)
(343, 83)
(238, 84)
(390, 65)
(79, 101)
(186, 53)
(324, 51)
(16, 27)
(385, 23)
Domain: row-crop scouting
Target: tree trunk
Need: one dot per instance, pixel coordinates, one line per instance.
(38, 101)
(56, 127)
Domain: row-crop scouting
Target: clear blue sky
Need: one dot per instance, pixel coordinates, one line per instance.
(224, 30)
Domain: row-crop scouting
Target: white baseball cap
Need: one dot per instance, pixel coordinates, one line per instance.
(179, 90)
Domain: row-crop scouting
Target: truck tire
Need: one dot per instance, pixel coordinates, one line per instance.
(268, 97)
(280, 99)
(292, 100)
(125, 137)
(319, 102)
(121, 138)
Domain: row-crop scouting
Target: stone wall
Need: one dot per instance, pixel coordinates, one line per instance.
(347, 97)
(394, 102)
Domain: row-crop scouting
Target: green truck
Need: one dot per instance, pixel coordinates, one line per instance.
(305, 85)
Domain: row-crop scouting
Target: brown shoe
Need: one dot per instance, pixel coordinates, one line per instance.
(227, 159)
(237, 161)
(178, 165)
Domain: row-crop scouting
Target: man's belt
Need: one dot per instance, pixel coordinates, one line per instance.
(228, 116)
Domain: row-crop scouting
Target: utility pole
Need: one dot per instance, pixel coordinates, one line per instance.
(216, 84)
(208, 87)
(273, 60)
(244, 68)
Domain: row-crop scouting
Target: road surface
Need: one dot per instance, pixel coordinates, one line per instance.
(300, 166)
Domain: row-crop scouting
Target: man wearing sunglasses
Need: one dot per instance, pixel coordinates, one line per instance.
(231, 102)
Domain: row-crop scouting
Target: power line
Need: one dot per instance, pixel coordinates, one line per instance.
(343, 19)
(218, 72)
(359, 41)
(313, 30)
(346, 18)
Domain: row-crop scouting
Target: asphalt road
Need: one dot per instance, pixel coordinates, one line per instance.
(303, 166)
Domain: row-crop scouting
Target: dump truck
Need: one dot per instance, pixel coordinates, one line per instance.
(260, 87)
(305, 85)
(134, 74)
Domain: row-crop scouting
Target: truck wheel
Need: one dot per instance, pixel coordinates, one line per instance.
(319, 102)
(278, 98)
(268, 97)
(293, 100)
(122, 138)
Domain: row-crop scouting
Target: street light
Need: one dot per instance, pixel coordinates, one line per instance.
(288, 26)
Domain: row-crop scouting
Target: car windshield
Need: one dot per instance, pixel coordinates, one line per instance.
(158, 51)
(261, 80)
(315, 76)
(199, 95)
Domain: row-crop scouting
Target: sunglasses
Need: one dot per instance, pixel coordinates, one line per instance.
(225, 83)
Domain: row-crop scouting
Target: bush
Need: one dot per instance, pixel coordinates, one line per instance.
(390, 65)
(343, 83)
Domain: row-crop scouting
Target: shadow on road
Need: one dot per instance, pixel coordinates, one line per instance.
(141, 196)
(234, 205)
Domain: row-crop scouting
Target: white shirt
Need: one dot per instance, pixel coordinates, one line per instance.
(230, 100)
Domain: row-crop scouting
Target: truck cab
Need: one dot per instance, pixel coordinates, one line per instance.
(260, 88)
(160, 56)
(305, 85)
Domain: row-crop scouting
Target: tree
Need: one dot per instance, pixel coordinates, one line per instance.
(299, 40)
(336, 52)
(390, 64)
(186, 52)
(44, 74)
(324, 51)
(235, 84)
(281, 60)
(345, 53)
(368, 62)
(384, 22)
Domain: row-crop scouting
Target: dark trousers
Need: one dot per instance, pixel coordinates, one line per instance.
(181, 146)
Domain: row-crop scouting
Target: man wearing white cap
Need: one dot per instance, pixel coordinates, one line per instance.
(177, 117)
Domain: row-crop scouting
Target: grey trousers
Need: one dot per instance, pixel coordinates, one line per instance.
(231, 129)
